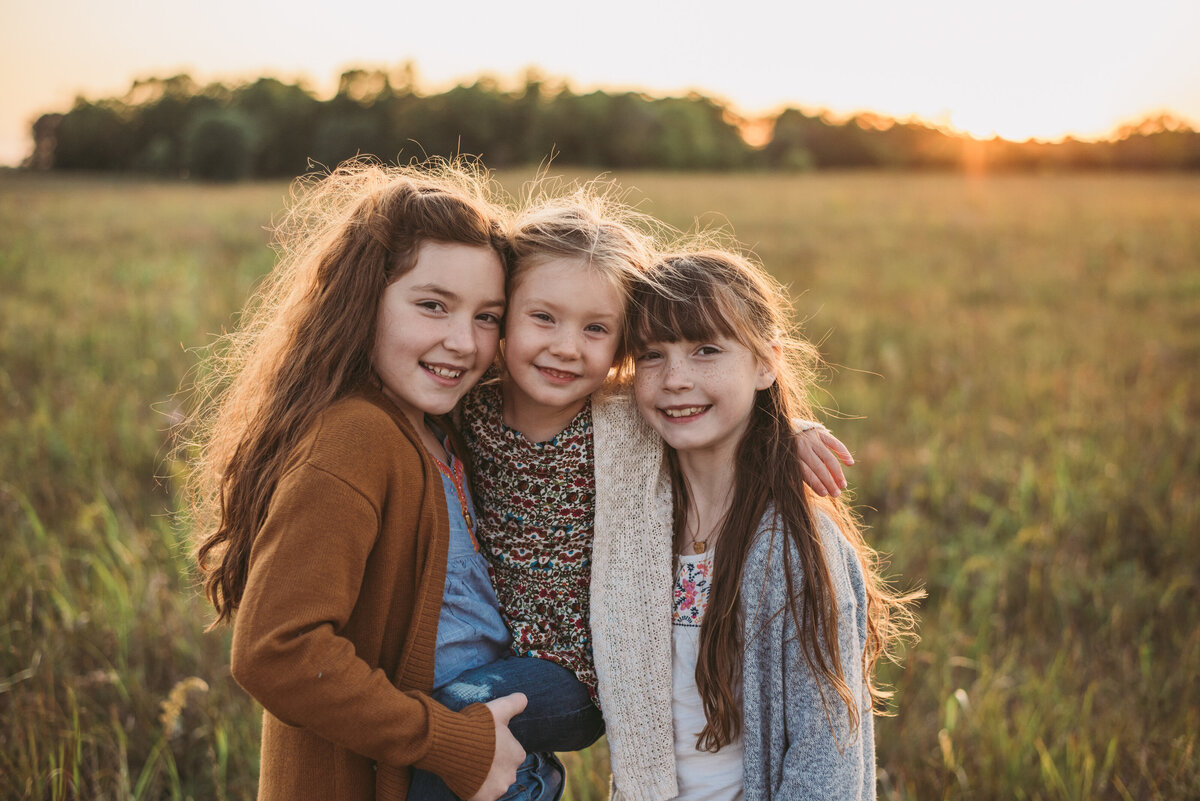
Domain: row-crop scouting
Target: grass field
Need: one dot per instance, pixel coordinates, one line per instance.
(1015, 362)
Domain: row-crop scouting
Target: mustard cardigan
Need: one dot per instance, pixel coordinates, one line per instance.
(336, 631)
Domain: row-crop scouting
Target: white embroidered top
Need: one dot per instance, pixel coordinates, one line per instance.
(702, 775)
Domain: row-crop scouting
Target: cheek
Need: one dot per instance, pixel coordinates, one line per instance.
(488, 342)
(519, 337)
(606, 354)
(379, 341)
(643, 388)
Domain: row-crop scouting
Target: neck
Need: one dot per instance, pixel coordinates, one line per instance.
(417, 418)
(710, 479)
(536, 421)
(433, 444)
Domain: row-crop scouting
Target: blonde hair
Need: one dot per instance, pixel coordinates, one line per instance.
(306, 337)
(592, 224)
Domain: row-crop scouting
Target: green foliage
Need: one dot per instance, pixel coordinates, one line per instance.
(219, 146)
(173, 127)
(1016, 369)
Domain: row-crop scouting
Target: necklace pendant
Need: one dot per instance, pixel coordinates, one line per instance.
(700, 546)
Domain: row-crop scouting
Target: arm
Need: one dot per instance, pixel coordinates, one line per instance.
(292, 651)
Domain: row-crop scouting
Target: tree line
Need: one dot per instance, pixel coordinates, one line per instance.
(268, 128)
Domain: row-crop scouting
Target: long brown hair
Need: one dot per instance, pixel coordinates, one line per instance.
(306, 337)
(695, 296)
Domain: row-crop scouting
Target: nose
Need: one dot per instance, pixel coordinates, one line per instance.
(460, 337)
(565, 345)
(676, 376)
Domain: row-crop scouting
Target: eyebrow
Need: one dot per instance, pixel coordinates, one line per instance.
(442, 292)
(536, 301)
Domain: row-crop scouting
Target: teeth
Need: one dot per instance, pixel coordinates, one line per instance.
(443, 371)
(687, 412)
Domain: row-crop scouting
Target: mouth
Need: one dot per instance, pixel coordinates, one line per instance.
(556, 375)
(685, 412)
(443, 371)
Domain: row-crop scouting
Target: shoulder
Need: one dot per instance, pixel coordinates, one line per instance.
(772, 556)
(359, 420)
(615, 415)
(363, 440)
(485, 398)
(615, 403)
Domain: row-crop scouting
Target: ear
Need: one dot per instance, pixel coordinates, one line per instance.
(766, 370)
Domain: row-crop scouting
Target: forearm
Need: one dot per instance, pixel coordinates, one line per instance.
(314, 680)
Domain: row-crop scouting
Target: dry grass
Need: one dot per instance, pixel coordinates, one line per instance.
(1016, 362)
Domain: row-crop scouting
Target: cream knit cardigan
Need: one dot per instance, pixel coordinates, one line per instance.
(631, 600)
(632, 584)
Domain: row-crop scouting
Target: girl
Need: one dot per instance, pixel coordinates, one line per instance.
(320, 489)
(778, 613)
(537, 439)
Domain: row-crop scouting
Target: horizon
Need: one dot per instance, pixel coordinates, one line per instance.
(1027, 70)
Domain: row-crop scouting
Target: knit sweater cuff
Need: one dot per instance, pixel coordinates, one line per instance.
(662, 788)
(463, 747)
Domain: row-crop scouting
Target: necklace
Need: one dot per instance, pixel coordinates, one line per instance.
(693, 517)
(698, 545)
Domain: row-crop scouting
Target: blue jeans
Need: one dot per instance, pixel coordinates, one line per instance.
(559, 716)
(540, 778)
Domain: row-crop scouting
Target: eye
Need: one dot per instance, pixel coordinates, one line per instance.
(648, 356)
(596, 328)
(708, 350)
(542, 316)
(432, 305)
(488, 318)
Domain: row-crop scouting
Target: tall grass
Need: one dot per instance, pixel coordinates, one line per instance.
(1014, 363)
(108, 687)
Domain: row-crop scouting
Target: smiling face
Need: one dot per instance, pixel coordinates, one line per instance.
(699, 395)
(438, 328)
(561, 336)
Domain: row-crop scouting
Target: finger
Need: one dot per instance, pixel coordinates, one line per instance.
(834, 468)
(825, 469)
(836, 445)
(510, 706)
(810, 478)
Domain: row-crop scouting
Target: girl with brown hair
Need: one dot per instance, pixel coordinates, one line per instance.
(778, 612)
(329, 490)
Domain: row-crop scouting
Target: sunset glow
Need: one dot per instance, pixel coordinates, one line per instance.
(1017, 70)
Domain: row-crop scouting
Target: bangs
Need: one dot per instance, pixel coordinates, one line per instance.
(680, 304)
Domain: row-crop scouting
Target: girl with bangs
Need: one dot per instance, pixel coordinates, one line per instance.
(763, 638)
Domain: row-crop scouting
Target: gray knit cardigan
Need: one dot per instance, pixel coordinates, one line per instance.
(793, 749)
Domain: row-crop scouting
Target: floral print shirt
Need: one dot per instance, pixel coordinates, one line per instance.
(692, 583)
(538, 503)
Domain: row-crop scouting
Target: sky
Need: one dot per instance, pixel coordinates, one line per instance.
(1020, 69)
